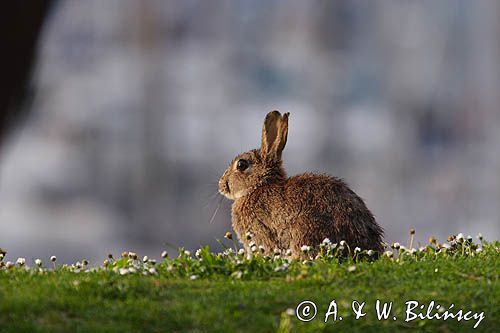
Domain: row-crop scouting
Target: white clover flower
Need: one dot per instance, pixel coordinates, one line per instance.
(326, 241)
(123, 271)
(193, 277)
(21, 261)
(241, 252)
(53, 258)
(305, 248)
(153, 271)
(164, 254)
(187, 253)
(357, 249)
(351, 268)
(38, 262)
(198, 253)
(460, 237)
(388, 254)
(370, 253)
(145, 259)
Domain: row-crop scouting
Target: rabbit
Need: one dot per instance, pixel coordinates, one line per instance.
(284, 213)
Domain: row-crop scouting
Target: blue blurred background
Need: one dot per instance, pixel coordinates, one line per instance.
(140, 105)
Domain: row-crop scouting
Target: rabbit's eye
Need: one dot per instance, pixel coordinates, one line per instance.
(242, 165)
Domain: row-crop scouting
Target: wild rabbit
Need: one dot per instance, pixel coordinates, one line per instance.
(283, 212)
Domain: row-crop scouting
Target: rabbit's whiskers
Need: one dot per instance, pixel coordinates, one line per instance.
(216, 209)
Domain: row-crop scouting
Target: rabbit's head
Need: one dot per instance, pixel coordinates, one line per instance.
(258, 167)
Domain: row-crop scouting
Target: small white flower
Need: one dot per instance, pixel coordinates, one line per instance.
(9, 264)
(290, 312)
(277, 252)
(1, 256)
(480, 236)
(164, 254)
(124, 271)
(249, 235)
(351, 268)
(413, 251)
(170, 268)
(20, 261)
(132, 255)
(342, 243)
(241, 252)
(421, 249)
(252, 243)
(388, 254)
(396, 245)
(305, 248)
(262, 249)
(436, 270)
(198, 253)
(187, 253)
(460, 237)
(288, 252)
(152, 270)
(132, 270)
(479, 250)
(326, 241)
(469, 238)
(334, 245)
(193, 277)
(253, 248)
(145, 259)
(403, 248)
(357, 249)
(53, 258)
(370, 253)
(38, 262)
(446, 246)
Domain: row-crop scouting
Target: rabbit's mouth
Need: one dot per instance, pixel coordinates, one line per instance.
(225, 190)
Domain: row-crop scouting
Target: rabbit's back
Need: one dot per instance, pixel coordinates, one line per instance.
(325, 207)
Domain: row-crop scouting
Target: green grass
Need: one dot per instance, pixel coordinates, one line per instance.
(230, 293)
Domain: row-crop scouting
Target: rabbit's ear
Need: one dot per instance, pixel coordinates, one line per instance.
(274, 135)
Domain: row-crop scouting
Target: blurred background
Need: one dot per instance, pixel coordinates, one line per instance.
(139, 106)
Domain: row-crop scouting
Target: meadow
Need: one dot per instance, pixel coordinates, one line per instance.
(234, 291)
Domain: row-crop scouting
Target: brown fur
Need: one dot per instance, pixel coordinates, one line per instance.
(287, 213)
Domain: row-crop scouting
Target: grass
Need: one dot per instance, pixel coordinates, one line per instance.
(228, 292)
